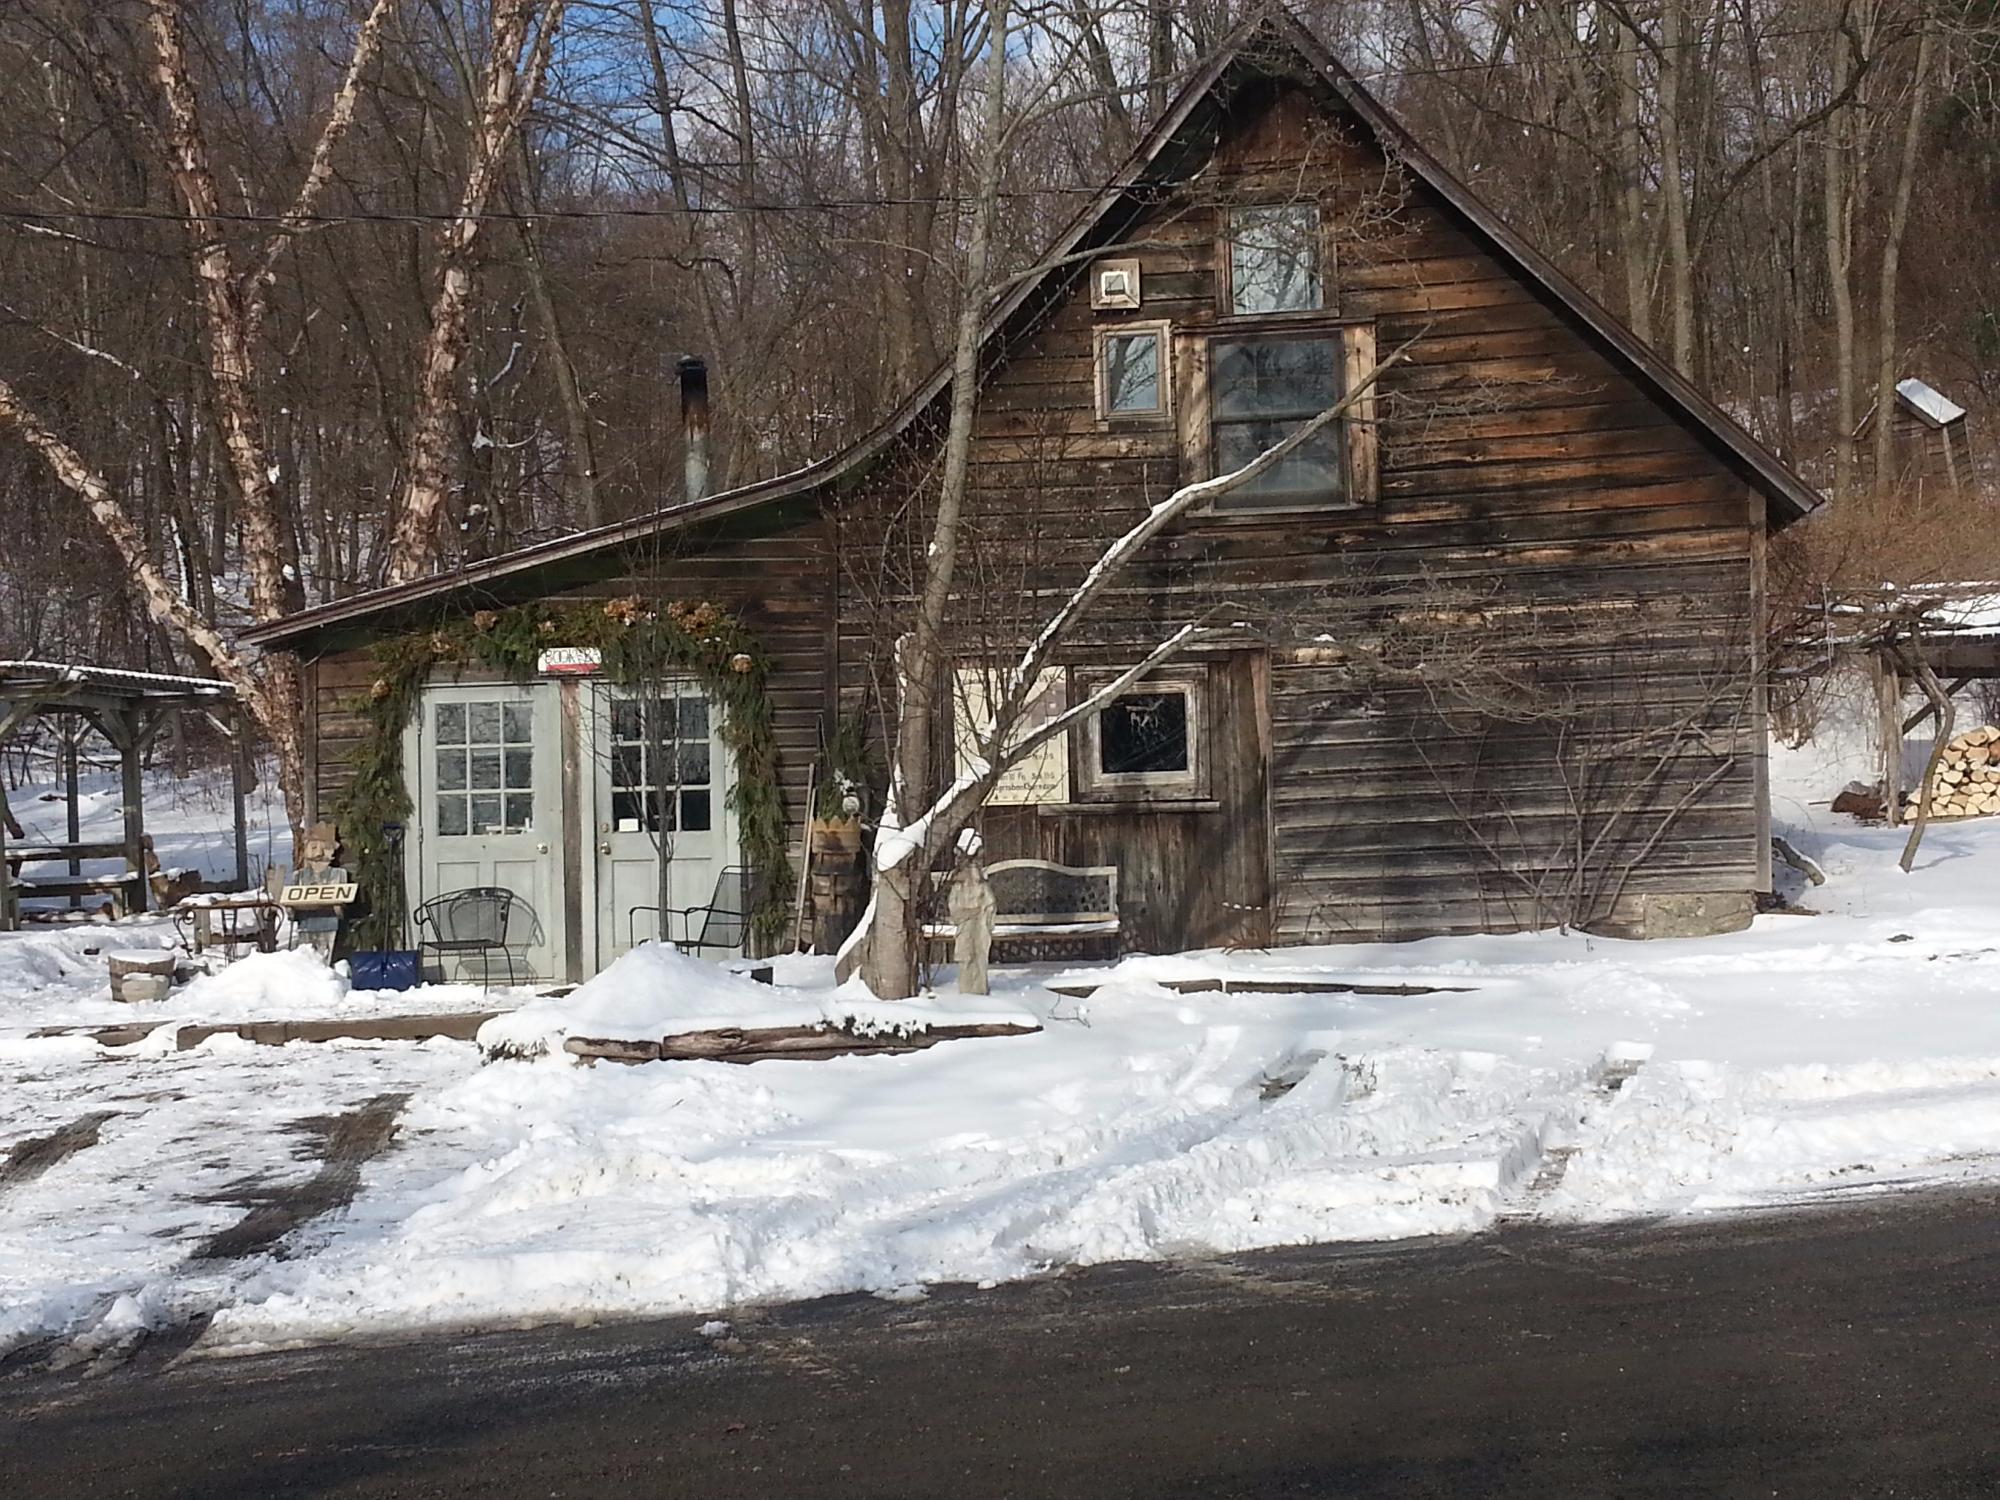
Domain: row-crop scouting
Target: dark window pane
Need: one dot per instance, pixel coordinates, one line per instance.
(694, 718)
(628, 766)
(451, 816)
(1274, 377)
(694, 812)
(517, 723)
(1274, 258)
(1143, 734)
(1310, 471)
(482, 723)
(520, 810)
(628, 812)
(485, 814)
(520, 770)
(1132, 373)
(485, 769)
(694, 763)
(451, 769)
(451, 723)
(625, 721)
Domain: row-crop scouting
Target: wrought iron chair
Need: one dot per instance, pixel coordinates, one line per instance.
(723, 923)
(466, 922)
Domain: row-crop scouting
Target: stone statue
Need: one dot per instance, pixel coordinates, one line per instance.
(970, 902)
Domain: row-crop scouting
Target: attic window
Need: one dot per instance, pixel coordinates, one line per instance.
(1131, 371)
(1274, 258)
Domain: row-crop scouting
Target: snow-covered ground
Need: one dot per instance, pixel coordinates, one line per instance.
(1546, 1076)
(189, 818)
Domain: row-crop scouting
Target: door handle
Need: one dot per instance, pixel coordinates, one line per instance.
(541, 848)
(605, 847)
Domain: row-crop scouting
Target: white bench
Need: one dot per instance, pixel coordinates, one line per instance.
(1045, 910)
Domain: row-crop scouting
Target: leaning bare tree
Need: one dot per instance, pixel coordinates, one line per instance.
(234, 277)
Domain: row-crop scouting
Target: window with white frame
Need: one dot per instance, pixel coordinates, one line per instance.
(1147, 741)
(1132, 371)
(483, 753)
(662, 776)
(1274, 258)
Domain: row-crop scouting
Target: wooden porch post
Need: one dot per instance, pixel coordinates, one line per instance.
(239, 787)
(125, 731)
(10, 905)
(72, 732)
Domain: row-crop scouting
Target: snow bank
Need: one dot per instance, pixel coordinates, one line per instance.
(657, 991)
(289, 982)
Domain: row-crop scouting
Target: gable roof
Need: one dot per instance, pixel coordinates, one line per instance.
(1265, 36)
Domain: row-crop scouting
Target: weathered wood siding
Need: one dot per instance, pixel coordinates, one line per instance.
(780, 584)
(1515, 464)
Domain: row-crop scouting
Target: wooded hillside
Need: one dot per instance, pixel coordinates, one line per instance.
(1794, 199)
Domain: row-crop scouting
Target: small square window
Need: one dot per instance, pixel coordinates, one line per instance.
(1132, 372)
(1274, 258)
(1145, 744)
(1144, 734)
(1114, 284)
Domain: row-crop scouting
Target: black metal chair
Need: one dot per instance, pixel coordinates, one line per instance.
(723, 923)
(466, 922)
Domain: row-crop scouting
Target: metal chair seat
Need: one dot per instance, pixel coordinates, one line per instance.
(469, 921)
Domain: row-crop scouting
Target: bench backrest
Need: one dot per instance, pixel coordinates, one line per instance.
(1035, 890)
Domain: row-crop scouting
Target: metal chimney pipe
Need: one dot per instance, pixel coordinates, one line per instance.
(694, 422)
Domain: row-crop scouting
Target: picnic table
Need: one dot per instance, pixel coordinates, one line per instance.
(228, 922)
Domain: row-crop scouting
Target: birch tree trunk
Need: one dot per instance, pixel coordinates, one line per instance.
(516, 62)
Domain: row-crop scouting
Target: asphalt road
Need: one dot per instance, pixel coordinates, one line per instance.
(1848, 1350)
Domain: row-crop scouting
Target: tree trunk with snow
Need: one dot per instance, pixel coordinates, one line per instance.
(517, 60)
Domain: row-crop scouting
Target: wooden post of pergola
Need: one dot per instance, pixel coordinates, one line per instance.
(128, 709)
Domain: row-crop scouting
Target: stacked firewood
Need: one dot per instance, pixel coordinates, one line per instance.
(1967, 783)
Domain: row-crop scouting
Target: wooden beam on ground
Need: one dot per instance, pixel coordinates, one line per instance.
(770, 1043)
(1228, 986)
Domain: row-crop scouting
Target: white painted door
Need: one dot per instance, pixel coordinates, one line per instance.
(487, 786)
(661, 784)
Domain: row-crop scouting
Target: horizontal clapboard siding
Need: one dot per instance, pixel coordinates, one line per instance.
(1518, 472)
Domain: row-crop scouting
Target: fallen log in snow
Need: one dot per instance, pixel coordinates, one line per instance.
(766, 1043)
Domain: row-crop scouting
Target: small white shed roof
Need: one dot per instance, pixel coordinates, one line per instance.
(1935, 408)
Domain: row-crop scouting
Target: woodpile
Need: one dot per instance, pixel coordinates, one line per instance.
(1967, 784)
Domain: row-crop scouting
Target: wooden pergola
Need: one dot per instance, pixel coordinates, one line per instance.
(128, 709)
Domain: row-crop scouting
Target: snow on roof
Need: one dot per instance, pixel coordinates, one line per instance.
(1933, 407)
(1977, 615)
(145, 683)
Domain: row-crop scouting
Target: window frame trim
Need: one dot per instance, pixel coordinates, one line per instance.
(1225, 264)
(1360, 451)
(1090, 784)
(1162, 333)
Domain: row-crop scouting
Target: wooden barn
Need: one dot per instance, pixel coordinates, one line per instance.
(1498, 649)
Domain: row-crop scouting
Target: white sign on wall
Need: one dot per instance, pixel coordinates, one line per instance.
(570, 661)
(1044, 776)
